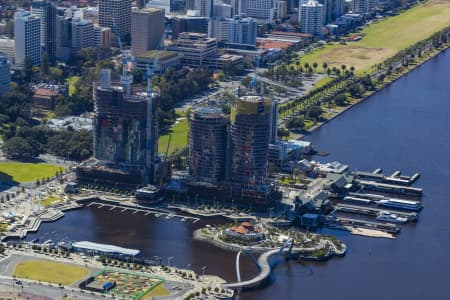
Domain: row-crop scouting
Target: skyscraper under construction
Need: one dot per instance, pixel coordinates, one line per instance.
(250, 134)
(125, 136)
(208, 145)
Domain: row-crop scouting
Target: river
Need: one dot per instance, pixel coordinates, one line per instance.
(406, 126)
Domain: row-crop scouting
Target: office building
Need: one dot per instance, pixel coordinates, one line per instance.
(205, 7)
(281, 8)
(196, 48)
(364, 6)
(178, 7)
(311, 18)
(250, 133)
(147, 29)
(5, 74)
(46, 12)
(237, 31)
(27, 32)
(189, 24)
(222, 10)
(333, 9)
(116, 14)
(208, 145)
(7, 48)
(82, 34)
(262, 10)
(103, 37)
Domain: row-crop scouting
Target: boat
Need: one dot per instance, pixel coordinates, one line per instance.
(357, 200)
(391, 217)
(402, 204)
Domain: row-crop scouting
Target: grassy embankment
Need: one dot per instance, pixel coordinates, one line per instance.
(49, 271)
(179, 132)
(26, 172)
(385, 38)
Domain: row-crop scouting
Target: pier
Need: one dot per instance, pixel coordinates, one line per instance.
(356, 209)
(394, 178)
(389, 188)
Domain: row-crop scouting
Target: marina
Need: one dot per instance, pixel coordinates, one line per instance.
(370, 211)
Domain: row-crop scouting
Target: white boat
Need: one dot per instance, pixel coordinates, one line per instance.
(391, 217)
(402, 204)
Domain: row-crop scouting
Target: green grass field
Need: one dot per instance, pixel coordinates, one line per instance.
(386, 37)
(49, 271)
(26, 172)
(179, 132)
(157, 291)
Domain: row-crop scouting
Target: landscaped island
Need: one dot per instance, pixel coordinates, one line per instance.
(261, 238)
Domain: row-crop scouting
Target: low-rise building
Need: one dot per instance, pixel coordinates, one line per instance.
(246, 231)
(166, 59)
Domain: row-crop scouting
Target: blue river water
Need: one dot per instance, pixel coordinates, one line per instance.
(404, 127)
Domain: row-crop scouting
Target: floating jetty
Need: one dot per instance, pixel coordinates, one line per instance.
(394, 178)
(387, 227)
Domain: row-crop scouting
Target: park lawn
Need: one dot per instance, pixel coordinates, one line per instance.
(322, 82)
(50, 271)
(385, 38)
(27, 172)
(180, 136)
(157, 291)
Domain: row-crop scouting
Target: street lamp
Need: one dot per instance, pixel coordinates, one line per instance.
(203, 270)
(168, 261)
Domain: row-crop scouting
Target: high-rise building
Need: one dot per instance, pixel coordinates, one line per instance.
(364, 6)
(189, 24)
(102, 37)
(250, 133)
(82, 34)
(27, 38)
(208, 145)
(178, 7)
(116, 14)
(332, 9)
(5, 74)
(147, 29)
(261, 9)
(311, 18)
(281, 8)
(46, 12)
(205, 7)
(7, 48)
(222, 10)
(126, 130)
(238, 30)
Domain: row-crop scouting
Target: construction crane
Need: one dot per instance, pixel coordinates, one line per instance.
(151, 102)
(126, 79)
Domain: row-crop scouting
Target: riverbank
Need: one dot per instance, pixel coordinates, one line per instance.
(391, 80)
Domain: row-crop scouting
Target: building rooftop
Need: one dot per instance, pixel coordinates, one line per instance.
(163, 55)
(105, 248)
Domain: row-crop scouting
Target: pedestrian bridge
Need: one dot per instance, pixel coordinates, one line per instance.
(263, 265)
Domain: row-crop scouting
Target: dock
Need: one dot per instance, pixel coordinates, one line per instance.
(370, 211)
(343, 223)
(389, 188)
(394, 178)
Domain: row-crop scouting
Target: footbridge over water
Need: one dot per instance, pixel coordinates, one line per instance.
(263, 265)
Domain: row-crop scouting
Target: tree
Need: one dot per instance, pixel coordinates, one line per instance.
(44, 63)
(20, 149)
(315, 65)
(295, 123)
(27, 72)
(325, 67)
(340, 99)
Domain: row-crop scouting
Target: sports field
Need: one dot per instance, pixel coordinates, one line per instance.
(26, 172)
(385, 38)
(50, 271)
